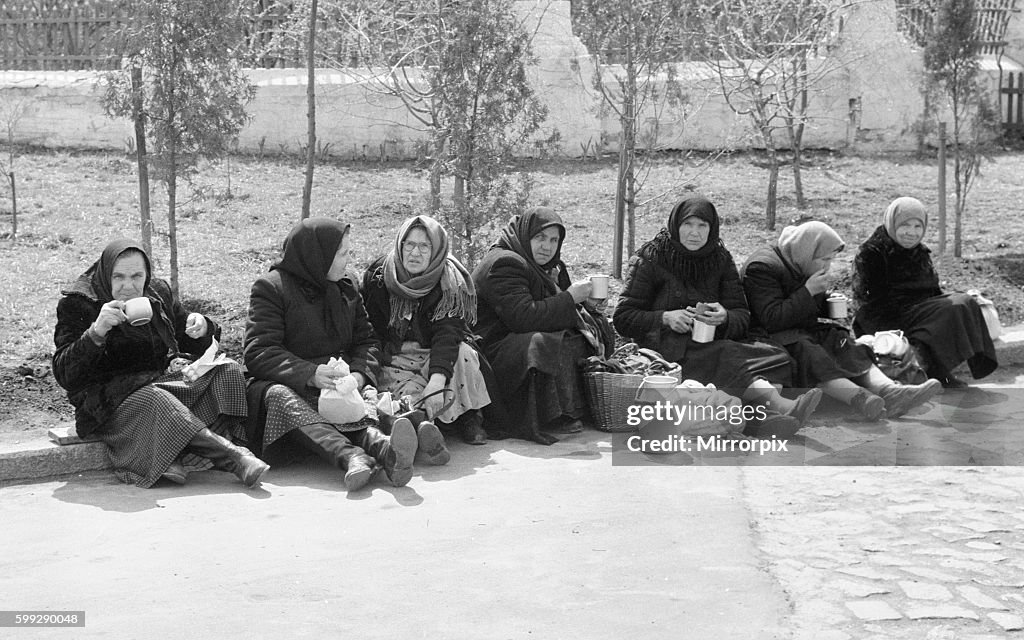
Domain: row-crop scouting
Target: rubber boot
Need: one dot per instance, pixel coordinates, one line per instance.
(228, 457)
(395, 452)
(333, 447)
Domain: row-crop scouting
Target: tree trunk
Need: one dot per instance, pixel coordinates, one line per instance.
(620, 213)
(172, 220)
(797, 136)
(14, 205)
(142, 159)
(435, 174)
(307, 189)
(958, 182)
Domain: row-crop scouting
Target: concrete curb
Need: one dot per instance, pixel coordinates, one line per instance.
(39, 459)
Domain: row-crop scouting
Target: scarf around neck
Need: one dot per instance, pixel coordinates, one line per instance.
(458, 293)
(666, 251)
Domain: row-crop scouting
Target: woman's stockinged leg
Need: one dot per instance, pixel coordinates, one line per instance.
(869, 405)
(763, 392)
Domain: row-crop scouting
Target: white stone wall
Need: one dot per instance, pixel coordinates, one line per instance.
(869, 102)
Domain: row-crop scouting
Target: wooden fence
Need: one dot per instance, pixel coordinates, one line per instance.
(1013, 103)
(916, 19)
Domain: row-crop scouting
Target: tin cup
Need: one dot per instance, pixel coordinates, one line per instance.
(837, 308)
(703, 332)
(599, 287)
(138, 310)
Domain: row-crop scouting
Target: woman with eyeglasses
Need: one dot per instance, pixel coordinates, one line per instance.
(536, 325)
(421, 302)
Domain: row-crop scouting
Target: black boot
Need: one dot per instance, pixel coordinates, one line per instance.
(228, 457)
(395, 452)
(471, 427)
(330, 445)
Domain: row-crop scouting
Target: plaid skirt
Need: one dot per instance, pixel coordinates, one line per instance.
(287, 410)
(151, 427)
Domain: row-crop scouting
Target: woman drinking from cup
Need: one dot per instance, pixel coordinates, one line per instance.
(682, 298)
(786, 286)
(421, 302)
(897, 288)
(302, 313)
(117, 330)
(536, 325)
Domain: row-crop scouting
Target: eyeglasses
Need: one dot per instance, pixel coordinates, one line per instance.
(418, 247)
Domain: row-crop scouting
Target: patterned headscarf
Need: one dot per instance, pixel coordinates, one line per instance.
(900, 211)
(520, 230)
(804, 243)
(308, 253)
(667, 251)
(458, 294)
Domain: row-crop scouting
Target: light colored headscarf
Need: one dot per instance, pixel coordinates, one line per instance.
(804, 243)
(458, 294)
(900, 211)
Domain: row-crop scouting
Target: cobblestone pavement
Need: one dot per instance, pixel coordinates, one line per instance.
(861, 552)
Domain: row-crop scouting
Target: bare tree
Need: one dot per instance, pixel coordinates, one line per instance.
(307, 189)
(638, 42)
(12, 110)
(769, 55)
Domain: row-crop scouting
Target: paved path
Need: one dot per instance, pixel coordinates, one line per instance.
(510, 540)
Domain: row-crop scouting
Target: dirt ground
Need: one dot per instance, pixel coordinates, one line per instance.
(231, 223)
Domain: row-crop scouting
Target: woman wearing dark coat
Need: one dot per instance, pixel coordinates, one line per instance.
(896, 287)
(421, 302)
(536, 325)
(686, 267)
(301, 314)
(126, 383)
(786, 286)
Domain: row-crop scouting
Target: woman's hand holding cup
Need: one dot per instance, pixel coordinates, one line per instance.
(679, 320)
(111, 315)
(711, 313)
(581, 290)
(819, 282)
(195, 325)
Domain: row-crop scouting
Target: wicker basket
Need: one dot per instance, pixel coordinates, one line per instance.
(610, 395)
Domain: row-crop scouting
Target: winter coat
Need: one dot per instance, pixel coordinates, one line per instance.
(98, 378)
(889, 280)
(779, 302)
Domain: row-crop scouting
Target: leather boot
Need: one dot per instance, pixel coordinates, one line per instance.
(228, 457)
(175, 472)
(395, 452)
(471, 426)
(902, 398)
(430, 443)
(333, 447)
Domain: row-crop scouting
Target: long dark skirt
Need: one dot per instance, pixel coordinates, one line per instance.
(828, 352)
(151, 427)
(550, 383)
(951, 329)
(277, 409)
(732, 365)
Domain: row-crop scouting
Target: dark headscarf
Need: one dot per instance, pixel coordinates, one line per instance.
(308, 253)
(99, 275)
(100, 272)
(520, 230)
(668, 252)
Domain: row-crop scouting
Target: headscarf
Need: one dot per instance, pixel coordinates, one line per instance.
(458, 294)
(308, 253)
(520, 230)
(99, 278)
(667, 251)
(804, 243)
(902, 210)
(100, 272)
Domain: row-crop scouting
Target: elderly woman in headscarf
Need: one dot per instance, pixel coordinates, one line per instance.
(125, 378)
(786, 286)
(421, 302)
(302, 313)
(536, 325)
(685, 274)
(896, 287)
